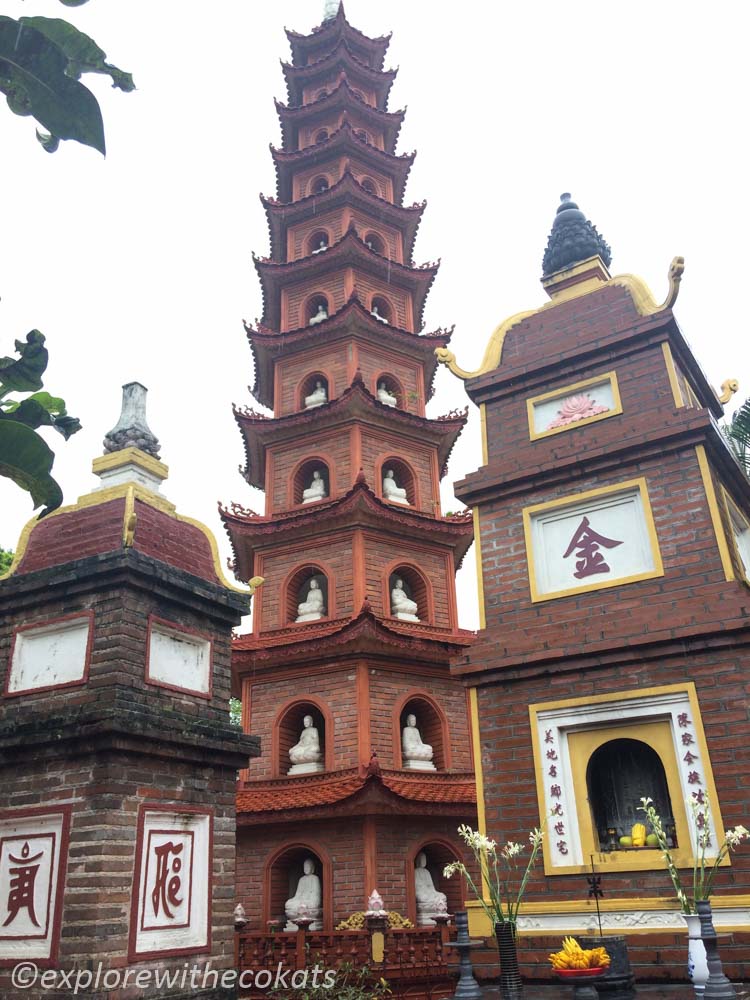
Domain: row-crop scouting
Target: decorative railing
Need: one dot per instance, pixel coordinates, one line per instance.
(415, 962)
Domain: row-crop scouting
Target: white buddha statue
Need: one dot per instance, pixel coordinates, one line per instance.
(306, 755)
(417, 756)
(316, 490)
(313, 607)
(391, 489)
(374, 312)
(320, 315)
(429, 900)
(402, 606)
(323, 245)
(384, 396)
(307, 901)
(317, 397)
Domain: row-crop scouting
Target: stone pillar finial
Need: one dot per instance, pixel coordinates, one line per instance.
(131, 449)
(132, 430)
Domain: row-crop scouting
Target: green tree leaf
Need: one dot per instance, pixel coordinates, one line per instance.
(81, 51)
(6, 560)
(24, 374)
(27, 460)
(33, 78)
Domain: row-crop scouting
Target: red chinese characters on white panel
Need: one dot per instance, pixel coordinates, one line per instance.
(171, 894)
(33, 852)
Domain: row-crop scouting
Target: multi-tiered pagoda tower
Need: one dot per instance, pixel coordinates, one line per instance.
(341, 361)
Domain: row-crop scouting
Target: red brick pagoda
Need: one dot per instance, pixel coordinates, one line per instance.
(356, 621)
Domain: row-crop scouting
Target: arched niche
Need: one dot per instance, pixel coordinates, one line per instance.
(416, 589)
(403, 477)
(362, 134)
(304, 477)
(431, 723)
(309, 392)
(381, 309)
(321, 94)
(386, 387)
(318, 242)
(321, 135)
(439, 853)
(619, 773)
(288, 729)
(316, 309)
(319, 184)
(369, 185)
(298, 588)
(375, 242)
(283, 870)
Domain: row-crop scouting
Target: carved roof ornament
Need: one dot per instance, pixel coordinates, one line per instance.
(132, 430)
(573, 239)
(331, 9)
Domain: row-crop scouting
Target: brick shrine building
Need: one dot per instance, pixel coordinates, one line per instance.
(351, 468)
(118, 762)
(613, 525)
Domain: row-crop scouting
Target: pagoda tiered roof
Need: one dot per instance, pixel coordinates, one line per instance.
(349, 192)
(343, 98)
(355, 403)
(359, 506)
(352, 319)
(386, 639)
(313, 46)
(349, 251)
(341, 143)
(340, 59)
(354, 790)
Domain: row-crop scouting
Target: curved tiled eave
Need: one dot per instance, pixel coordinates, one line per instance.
(359, 507)
(324, 38)
(350, 251)
(343, 98)
(340, 59)
(363, 633)
(437, 792)
(346, 191)
(355, 403)
(340, 143)
(350, 322)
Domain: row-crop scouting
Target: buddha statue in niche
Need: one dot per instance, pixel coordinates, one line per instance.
(307, 900)
(313, 606)
(317, 397)
(392, 491)
(376, 313)
(306, 755)
(319, 316)
(385, 396)
(316, 490)
(402, 605)
(417, 756)
(429, 900)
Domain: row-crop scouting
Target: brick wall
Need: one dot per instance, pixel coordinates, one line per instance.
(388, 689)
(396, 840)
(336, 689)
(692, 594)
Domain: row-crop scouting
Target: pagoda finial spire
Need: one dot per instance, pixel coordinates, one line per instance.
(331, 9)
(573, 239)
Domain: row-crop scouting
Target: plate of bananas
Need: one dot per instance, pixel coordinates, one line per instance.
(573, 960)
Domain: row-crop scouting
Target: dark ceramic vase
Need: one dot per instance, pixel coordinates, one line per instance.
(511, 987)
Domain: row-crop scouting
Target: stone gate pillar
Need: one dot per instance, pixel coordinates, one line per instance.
(117, 758)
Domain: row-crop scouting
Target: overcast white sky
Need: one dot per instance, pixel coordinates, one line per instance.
(138, 266)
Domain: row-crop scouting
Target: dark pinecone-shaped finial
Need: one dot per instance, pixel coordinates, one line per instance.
(573, 239)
